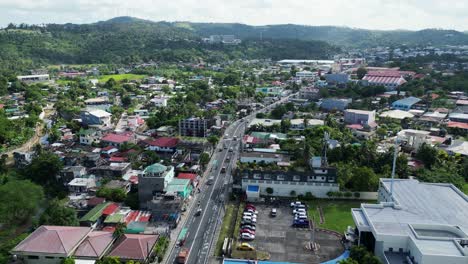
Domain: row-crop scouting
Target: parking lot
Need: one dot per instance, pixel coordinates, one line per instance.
(286, 243)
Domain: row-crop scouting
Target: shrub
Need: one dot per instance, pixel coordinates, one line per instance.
(309, 196)
(269, 190)
(348, 194)
(357, 194)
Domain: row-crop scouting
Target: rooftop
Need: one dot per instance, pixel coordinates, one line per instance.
(99, 113)
(95, 244)
(53, 240)
(117, 138)
(95, 213)
(397, 114)
(164, 142)
(407, 101)
(135, 247)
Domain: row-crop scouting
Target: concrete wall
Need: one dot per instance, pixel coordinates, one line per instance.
(284, 188)
(42, 259)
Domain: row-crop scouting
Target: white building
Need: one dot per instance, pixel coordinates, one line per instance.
(354, 116)
(260, 157)
(414, 138)
(160, 101)
(424, 223)
(305, 74)
(34, 78)
(298, 124)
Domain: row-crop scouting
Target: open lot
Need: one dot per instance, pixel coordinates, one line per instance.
(336, 213)
(119, 77)
(276, 236)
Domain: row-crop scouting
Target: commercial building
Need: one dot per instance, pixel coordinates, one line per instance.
(194, 127)
(389, 79)
(34, 78)
(153, 181)
(337, 78)
(415, 222)
(305, 74)
(330, 104)
(405, 104)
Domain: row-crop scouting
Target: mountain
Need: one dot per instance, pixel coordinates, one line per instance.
(127, 39)
(342, 36)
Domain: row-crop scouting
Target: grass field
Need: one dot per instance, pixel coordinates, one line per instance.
(120, 77)
(226, 228)
(465, 188)
(337, 213)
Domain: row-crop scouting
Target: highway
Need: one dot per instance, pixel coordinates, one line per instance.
(201, 229)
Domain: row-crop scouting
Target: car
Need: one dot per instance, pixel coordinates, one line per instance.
(301, 223)
(250, 206)
(210, 180)
(294, 204)
(250, 227)
(247, 236)
(250, 210)
(248, 214)
(298, 217)
(295, 211)
(300, 206)
(220, 149)
(234, 138)
(231, 149)
(245, 230)
(249, 218)
(273, 212)
(245, 247)
(301, 213)
(248, 222)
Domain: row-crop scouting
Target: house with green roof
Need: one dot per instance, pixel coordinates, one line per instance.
(94, 217)
(179, 187)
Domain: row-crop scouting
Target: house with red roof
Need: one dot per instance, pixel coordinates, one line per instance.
(95, 245)
(134, 247)
(163, 144)
(189, 176)
(50, 244)
(117, 139)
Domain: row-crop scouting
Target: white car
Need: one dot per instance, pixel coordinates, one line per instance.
(300, 217)
(247, 236)
(250, 210)
(249, 218)
(294, 204)
(295, 211)
(301, 213)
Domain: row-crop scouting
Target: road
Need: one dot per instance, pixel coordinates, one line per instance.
(201, 229)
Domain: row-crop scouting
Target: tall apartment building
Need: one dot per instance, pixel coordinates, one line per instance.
(194, 127)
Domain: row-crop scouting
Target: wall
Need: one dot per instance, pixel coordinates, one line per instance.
(51, 259)
(284, 188)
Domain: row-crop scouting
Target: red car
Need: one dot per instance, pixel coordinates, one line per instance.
(245, 230)
(251, 206)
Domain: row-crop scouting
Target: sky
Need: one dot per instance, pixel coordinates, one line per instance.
(369, 14)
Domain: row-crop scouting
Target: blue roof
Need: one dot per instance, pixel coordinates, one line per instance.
(253, 188)
(407, 101)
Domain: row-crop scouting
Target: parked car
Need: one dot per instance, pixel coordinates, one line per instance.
(300, 213)
(249, 218)
(245, 247)
(295, 211)
(301, 223)
(247, 236)
(297, 217)
(250, 227)
(294, 204)
(245, 230)
(247, 222)
(251, 206)
(299, 206)
(249, 214)
(273, 212)
(250, 210)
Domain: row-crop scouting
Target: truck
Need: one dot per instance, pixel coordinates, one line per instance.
(182, 256)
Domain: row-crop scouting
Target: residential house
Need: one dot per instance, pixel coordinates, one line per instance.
(94, 217)
(153, 180)
(89, 136)
(117, 184)
(118, 139)
(337, 78)
(276, 91)
(397, 114)
(68, 173)
(299, 124)
(95, 246)
(113, 170)
(305, 74)
(179, 187)
(309, 93)
(96, 118)
(50, 244)
(413, 139)
(163, 144)
(362, 117)
(134, 247)
(160, 101)
(458, 117)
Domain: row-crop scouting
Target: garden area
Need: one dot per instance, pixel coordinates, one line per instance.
(120, 77)
(336, 214)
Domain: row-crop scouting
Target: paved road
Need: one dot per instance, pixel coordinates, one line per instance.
(201, 229)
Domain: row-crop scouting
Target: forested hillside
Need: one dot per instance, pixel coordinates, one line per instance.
(125, 40)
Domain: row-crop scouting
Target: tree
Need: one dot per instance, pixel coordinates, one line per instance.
(57, 214)
(3, 86)
(20, 201)
(126, 101)
(361, 72)
(119, 230)
(427, 154)
(269, 190)
(348, 261)
(364, 179)
(213, 140)
(358, 253)
(115, 195)
(204, 158)
(68, 260)
(109, 260)
(44, 168)
(293, 193)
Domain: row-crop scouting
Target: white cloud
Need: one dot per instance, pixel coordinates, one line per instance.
(372, 14)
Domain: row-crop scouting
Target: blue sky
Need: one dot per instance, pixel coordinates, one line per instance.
(370, 14)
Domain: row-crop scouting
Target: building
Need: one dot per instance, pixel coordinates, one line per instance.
(179, 187)
(362, 117)
(414, 139)
(82, 185)
(194, 127)
(337, 78)
(299, 124)
(309, 93)
(405, 104)
(50, 244)
(261, 157)
(391, 80)
(397, 114)
(117, 140)
(34, 78)
(96, 117)
(275, 91)
(95, 246)
(415, 222)
(89, 136)
(305, 74)
(264, 122)
(152, 181)
(134, 247)
(163, 144)
(333, 104)
(458, 117)
(160, 101)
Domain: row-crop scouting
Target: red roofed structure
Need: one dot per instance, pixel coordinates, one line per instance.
(60, 241)
(110, 209)
(95, 245)
(164, 144)
(457, 125)
(134, 247)
(113, 139)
